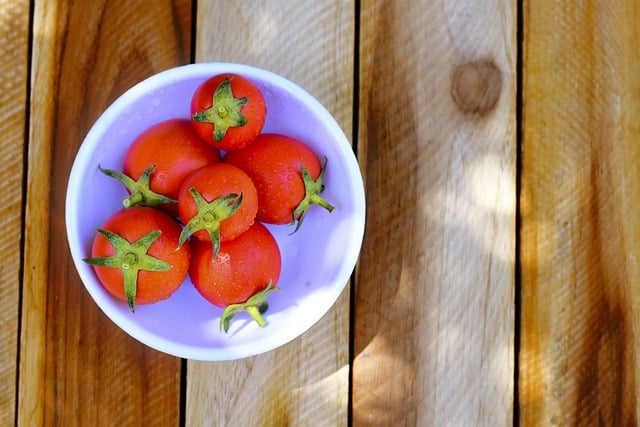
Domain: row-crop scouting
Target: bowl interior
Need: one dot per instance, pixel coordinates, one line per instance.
(317, 260)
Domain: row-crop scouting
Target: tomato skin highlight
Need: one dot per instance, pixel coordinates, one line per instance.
(215, 181)
(255, 111)
(273, 163)
(176, 150)
(132, 224)
(243, 267)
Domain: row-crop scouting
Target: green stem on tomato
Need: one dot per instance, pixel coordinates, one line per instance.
(141, 193)
(224, 111)
(130, 258)
(312, 196)
(136, 199)
(255, 306)
(208, 217)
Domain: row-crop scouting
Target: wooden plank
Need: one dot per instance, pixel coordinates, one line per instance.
(580, 214)
(434, 304)
(304, 383)
(76, 366)
(14, 42)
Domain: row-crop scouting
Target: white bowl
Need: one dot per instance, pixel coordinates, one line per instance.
(317, 261)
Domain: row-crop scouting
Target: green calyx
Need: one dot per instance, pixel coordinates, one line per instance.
(256, 306)
(208, 217)
(224, 111)
(141, 194)
(312, 196)
(130, 258)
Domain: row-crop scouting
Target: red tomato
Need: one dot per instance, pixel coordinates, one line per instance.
(228, 111)
(217, 203)
(175, 149)
(135, 258)
(277, 164)
(244, 273)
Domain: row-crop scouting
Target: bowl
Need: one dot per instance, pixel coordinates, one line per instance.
(317, 260)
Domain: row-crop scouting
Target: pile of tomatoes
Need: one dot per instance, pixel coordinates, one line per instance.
(200, 190)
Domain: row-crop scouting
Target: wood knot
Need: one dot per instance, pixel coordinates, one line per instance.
(476, 86)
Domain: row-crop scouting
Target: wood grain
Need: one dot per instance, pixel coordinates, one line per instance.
(76, 366)
(14, 42)
(304, 383)
(580, 214)
(434, 302)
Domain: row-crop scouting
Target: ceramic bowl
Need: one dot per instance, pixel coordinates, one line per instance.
(317, 260)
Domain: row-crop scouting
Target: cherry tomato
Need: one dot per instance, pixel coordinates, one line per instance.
(288, 176)
(157, 162)
(135, 258)
(159, 159)
(217, 203)
(245, 271)
(228, 111)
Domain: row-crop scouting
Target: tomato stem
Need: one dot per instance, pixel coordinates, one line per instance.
(130, 258)
(255, 306)
(225, 110)
(141, 193)
(208, 217)
(255, 314)
(136, 199)
(312, 195)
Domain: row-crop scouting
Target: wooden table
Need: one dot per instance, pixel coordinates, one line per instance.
(498, 282)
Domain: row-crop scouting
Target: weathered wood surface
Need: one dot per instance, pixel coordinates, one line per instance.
(76, 366)
(580, 236)
(306, 382)
(14, 33)
(434, 305)
(431, 337)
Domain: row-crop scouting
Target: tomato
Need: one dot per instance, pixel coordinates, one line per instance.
(159, 159)
(217, 203)
(228, 111)
(287, 174)
(245, 271)
(135, 258)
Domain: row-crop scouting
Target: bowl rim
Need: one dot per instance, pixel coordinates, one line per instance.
(204, 70)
